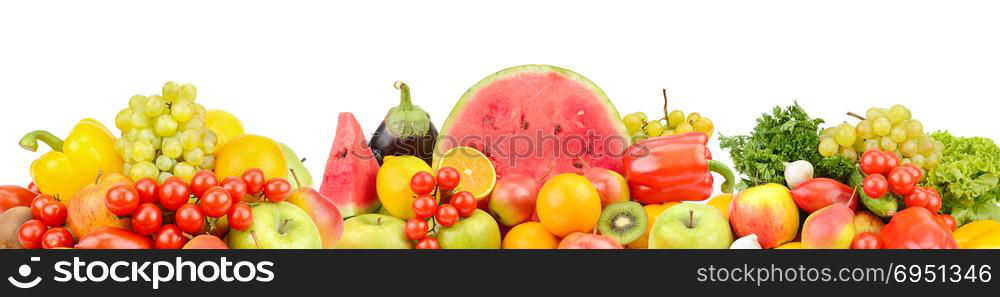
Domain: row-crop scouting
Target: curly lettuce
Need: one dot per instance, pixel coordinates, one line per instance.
(968, 177)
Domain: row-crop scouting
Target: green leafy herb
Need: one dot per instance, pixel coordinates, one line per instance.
(785, 135)
(968, 177)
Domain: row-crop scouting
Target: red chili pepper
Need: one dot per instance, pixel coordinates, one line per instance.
(115, 239)
(11, 196)
(817, 193)
(673, 168)
(917, 228)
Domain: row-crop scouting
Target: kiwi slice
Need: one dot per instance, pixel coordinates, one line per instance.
(623, 221)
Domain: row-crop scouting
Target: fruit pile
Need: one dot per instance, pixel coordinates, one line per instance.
(531, 157)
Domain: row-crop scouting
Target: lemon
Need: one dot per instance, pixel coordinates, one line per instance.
(476, 170)
(225, 126)
(393, 184)
(251, 151)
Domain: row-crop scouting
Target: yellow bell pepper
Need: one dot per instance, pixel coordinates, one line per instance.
(88, 151)
(983, 234)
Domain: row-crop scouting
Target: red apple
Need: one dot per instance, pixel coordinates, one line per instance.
(588, 241)
(323, 212)
(206, 242)
(513, 199)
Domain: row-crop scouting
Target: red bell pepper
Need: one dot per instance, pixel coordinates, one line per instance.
(113, 238)
(917, 228)
(673, 168)
(820, 192)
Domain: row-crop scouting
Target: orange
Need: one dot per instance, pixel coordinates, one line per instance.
(653, 211)
(251, 151)
(476, 170)
(530, 235)
(568, 203)
(722, 203)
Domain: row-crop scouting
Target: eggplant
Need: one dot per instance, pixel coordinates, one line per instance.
(407, 130)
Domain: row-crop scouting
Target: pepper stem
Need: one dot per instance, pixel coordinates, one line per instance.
(404, 94)
(723, 169)
(30, 140)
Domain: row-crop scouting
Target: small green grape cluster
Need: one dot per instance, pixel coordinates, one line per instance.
(640, 127)
(165, 135)
(892, 130)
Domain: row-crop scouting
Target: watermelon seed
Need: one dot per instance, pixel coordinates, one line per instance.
(558, 129)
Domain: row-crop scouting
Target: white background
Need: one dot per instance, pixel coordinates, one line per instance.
(286, 68)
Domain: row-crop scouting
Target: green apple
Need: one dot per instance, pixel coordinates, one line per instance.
(294, 163)
(691, 226)
(277, 226)
(374, 231)
(478, 231)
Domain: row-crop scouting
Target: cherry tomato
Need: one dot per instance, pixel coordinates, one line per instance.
(424, 206)
(428, 243)
(277, 189)
(875, 186)
(918, 198)
(173, 193)
(254, 179)
(448, 178)
(866, 241)
(169, 237)
(147, 219)
(57, 238)
(202, 181)
(122, 199)
(33, 187)
(416, 229)
(54, 214)
(465, 203)
(948, 221)
(216, 202)
(874, 162)
(240, 217)
(933, 203)
(236, 187)
(38, 203)
(30, 234)
(148, 190)
(901, 181)
(915, 171)
(190, 219)
(891, 161)
(447, 215)
(422, 183)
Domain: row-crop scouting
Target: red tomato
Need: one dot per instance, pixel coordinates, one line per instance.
(254, 179)
(38, 203)
(933, 203)
(202, 181)
(919, 198)
(173, 193)
(422, 183)
(902, 181)
(57, 238)
(216, 202)
(147, 219)
(169, 237)
(277, 189)
(190, 219)
(465, 203)
(866, 241)
(54, 214)
(448, 178)
(447, 215)
(240, 217)
(424, 206)
(875, 186)
(948, 221)
(428, 243)
(236, 187)
(148, 190)
(416, 229)
(114, 238)
(917, 228)
(30, 234)
(122, 199)
(914, 171)
(874, 162)
(891, 161)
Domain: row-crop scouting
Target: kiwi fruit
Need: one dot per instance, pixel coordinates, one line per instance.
(623, 221)
(10, 222)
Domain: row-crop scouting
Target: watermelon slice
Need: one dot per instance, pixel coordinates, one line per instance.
(534, 118)
(349, 179)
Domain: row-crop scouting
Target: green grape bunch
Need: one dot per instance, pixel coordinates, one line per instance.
(164, 135)
(673, 122)
(893, 130)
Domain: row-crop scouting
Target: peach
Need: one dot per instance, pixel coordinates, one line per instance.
(768, 211)
(831, 227)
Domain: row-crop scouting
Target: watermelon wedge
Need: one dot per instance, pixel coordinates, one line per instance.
(349, 178)
(535, 118)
